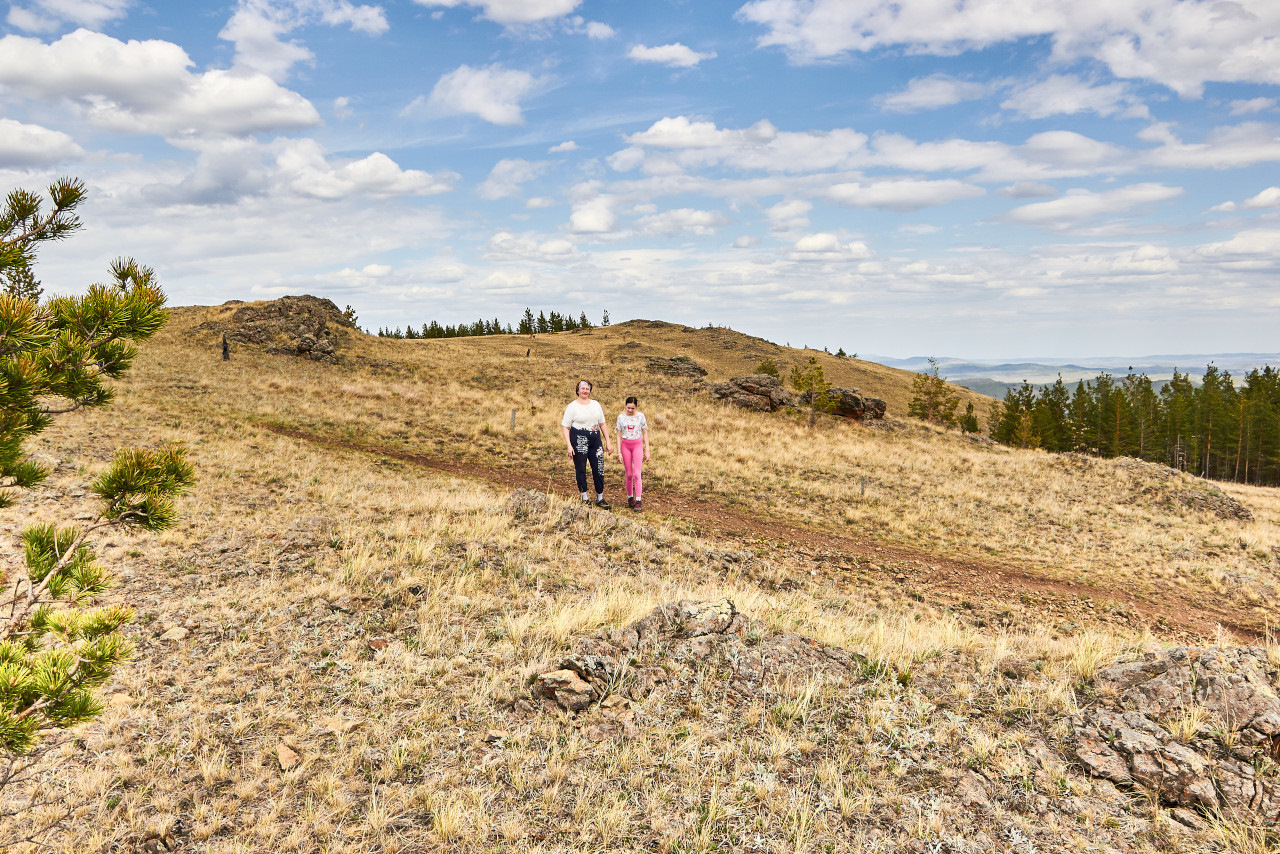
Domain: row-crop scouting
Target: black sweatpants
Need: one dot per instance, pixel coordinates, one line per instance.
(588, 446)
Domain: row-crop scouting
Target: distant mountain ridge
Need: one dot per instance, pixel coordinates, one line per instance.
(995, 378)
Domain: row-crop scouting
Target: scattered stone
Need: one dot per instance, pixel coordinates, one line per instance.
(1130, 741)
(176, 633)
(564, 688)
(495, 735)
(973, 793)
(379, 644)
(287, 757)
(758, 392)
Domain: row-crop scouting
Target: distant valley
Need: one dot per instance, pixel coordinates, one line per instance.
(995, 378)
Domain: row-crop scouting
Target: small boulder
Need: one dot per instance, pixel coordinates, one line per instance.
(565, 689)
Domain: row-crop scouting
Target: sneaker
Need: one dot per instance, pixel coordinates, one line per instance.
(636, 507)
(631, 501)
(603, 505)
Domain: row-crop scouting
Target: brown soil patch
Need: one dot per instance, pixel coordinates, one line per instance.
(955, 576)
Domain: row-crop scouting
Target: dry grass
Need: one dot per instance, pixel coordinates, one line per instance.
(380, 619)
(1105, 523)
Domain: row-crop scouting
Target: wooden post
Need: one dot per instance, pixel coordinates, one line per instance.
(226, 349)
(513, 419)
(864, 484)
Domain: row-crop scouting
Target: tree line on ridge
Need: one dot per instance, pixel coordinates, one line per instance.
(1217, 429)
(529, 325)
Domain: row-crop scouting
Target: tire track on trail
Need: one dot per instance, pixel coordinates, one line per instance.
(963, 575)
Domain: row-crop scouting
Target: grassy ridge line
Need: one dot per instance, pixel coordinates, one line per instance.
(1105, 523)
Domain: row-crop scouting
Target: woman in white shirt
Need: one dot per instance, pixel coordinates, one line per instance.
(633, 448)
(587, 442)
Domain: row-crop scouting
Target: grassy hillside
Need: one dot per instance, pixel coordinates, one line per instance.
(349, 584)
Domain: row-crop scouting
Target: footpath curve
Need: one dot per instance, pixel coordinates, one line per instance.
(964, 576)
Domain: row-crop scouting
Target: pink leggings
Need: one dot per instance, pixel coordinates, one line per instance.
(632, 459)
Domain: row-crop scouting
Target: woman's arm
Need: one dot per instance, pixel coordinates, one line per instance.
(604, 432)
(564, 431)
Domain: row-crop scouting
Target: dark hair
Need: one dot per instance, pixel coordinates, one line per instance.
(580, 382)
(632, 400)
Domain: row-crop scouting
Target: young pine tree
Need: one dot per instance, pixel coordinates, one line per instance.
(57, 357)
(812, 384)
(932, 399)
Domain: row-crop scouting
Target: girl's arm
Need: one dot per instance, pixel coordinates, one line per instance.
(645, 434)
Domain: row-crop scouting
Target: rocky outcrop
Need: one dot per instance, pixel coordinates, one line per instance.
(758, 392)
(306, 326)
(629, 663)
(849, 403)
(677, 366)
(1199, 727)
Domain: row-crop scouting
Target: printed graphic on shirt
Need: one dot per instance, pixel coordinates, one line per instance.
(630, 426)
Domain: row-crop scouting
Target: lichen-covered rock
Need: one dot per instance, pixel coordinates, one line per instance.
(758, 392)
(526, 504)
(849, 403)
(1227, 765)
(641, 657)
(311, 327)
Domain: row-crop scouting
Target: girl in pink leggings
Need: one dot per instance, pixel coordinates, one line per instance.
(632, 431)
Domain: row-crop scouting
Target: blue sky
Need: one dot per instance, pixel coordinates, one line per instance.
(1075, 178)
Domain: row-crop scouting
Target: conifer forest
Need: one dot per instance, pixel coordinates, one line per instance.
(1217, 428)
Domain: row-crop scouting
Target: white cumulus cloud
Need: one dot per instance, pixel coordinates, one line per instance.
(1268, 198)
(675, 55)
(258, 29)
(493, 93)
(825, 246)
(145, 87)
(23, 146)
(901, 195)
(593, 216)
(511, 12)
(506, 177)
(1180, 44)
(306, 171)
(791, 215)
(1067, 94)
(928, 93)
(43, 16)
(1079, 205)
(682, 219)
(1252, 105)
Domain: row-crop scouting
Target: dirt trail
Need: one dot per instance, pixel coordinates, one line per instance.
(964, 576)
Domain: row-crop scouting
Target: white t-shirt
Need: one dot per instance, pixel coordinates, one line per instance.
(588, 416)
(631, 426)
